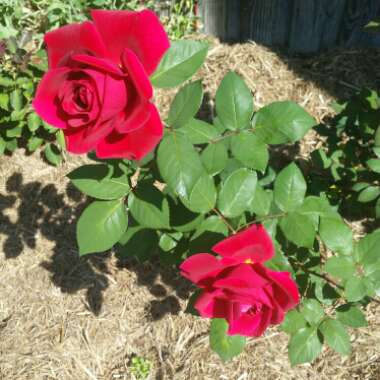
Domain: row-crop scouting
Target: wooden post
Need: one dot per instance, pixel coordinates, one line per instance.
(302, 26)
(221, 18)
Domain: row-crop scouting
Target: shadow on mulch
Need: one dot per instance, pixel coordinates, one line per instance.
(42, 209)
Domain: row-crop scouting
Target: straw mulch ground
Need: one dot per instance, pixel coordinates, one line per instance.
(66, 318)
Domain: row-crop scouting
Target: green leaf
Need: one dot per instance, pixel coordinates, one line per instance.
(377, 208)
(203, 195)
(199, 132)
(179, 63)
(181, 218)
(232, 165)
(367, 249)
(282, 122)
(335, 233)
(355, 289)
(214, 158)
(336, 336)
(34, 122)
(279, 262)
(341, 267)
(376, 150)
(220, 127)
(53, 154)
(324, 292)
(11, 145)
(304, 346)
(261, 202)
(359, 186)
(3, 146)
(14, 132)
(185, 104)
(179, 164)
(299, 229)
(233, 102)
(34, 143)
(93, 180)
(138, 242)
(369, 194)
(149, 207)
(101, 225)
(60, 137)
(6, 82)
(351, 315)
(312, 311)
(289, 188)
(293, 322)
(4, 101)
(237, 192)
(374, 165)
(224, 345)
(16, 100)
(377, 137)
(250, 150)
(212, 224)
(168, 241)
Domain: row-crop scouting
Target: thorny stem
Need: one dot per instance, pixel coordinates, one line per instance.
(328, 279)
(224, 220)
(229, 134)
(258, 220)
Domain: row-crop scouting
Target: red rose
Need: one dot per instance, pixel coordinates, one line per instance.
(97, 89)
(238, 287)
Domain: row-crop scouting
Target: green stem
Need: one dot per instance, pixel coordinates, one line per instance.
(229, 134)
(262, 219)
(224, 220)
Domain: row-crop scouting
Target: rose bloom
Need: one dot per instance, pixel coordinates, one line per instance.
(238, 287)
(97, 88)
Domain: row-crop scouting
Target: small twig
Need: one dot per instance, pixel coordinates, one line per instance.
(259, 220)
(329, 280)
(224, 220)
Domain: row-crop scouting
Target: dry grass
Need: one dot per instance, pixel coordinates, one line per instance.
(66, 318)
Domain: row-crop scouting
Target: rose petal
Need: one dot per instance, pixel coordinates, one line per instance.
(45, 100)
(76, 141)
(200, 266)
(98, 63)
(266, 316)
(138, 114)
(242, 274)
(137, 74)
(245, 325)
(253, 244)
(73, 38)
(286, 292)
(113, 98)
(277, 315)
(134, 145)
(208, 306)
(141, 32)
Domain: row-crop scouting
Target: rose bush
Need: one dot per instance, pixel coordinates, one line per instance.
(205, 182)
(97, 89)
(239, 288)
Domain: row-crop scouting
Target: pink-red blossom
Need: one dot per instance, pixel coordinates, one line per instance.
(238, 287)
(97, 89)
